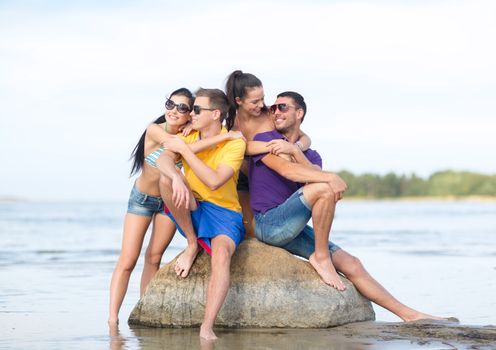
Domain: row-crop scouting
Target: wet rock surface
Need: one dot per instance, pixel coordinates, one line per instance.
(449, 333)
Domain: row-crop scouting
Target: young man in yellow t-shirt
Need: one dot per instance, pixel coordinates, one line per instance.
(204, 202)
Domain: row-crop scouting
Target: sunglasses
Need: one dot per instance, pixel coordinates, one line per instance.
(283, 107)
(197, 109)
(181, 107)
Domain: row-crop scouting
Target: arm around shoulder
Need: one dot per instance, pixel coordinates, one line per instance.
(156, 133)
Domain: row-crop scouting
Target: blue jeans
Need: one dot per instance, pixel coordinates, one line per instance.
(285, 226)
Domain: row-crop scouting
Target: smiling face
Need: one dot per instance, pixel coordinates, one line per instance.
(173, 116)
(253, 102)
(204, 117)
(285, 121)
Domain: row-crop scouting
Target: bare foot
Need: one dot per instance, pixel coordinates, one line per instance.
(185, 261)
(327, 272)
(417, 316)
(207, 333)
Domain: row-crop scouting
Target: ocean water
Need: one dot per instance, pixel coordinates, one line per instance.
(56, 260)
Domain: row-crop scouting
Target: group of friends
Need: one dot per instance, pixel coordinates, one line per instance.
(247, 170)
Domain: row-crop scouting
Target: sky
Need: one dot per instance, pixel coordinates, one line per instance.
(391, 86)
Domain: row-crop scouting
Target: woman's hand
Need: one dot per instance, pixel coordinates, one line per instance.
(174, 144)
(280, 146)
(186, 129)
(233, 135)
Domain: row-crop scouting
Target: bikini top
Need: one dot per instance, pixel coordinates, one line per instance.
(151, 159)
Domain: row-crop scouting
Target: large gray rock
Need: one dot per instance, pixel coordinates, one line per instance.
(269, 288)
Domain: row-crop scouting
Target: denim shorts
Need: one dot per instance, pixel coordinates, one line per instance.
(143, 204)
(285, 226)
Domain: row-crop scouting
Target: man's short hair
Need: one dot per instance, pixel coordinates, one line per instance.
(218, 100)
(298, 100)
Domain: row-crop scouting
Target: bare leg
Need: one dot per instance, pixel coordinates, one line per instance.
(321, 198)
(373, 290)
(244, 200)
(135, 227)
(222, 250)
(163, 231)
(183, 219)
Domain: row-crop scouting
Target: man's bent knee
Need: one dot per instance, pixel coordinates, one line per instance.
(318, 190)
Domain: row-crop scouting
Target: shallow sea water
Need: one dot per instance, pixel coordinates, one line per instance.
(56, 260)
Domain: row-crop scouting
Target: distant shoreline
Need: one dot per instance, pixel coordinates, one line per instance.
(15, 199)
(425, 199)
(4, 199)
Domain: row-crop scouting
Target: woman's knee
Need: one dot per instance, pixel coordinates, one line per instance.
(153, 257)
(126, 264)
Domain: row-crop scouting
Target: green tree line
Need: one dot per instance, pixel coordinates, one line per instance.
(439, 184)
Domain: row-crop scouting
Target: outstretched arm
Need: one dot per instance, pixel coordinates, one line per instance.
(156, 133)
(203, 144)
(281, 148)
(259, 147)
(256, 147)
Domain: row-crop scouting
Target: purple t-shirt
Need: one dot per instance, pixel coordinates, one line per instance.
(268, 189)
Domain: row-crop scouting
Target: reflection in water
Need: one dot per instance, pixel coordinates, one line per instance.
(117, 341)
(188, 338)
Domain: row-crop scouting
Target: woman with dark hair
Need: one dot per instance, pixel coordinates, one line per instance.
(145, 204)
(249, 114)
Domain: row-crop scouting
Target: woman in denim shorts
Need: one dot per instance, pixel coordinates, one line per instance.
(145, 205)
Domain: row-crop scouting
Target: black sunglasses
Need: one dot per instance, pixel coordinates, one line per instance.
(197, 109)
(283, 107)
(181, 107)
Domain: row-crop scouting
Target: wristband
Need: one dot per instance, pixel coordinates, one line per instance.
(300, 146)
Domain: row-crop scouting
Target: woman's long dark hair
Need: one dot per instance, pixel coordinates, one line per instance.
(236, 86)
(138, 154)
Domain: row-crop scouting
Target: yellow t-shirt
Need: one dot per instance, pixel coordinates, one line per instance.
(229, 153)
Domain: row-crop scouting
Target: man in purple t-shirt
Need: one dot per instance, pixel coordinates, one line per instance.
(286, 194)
